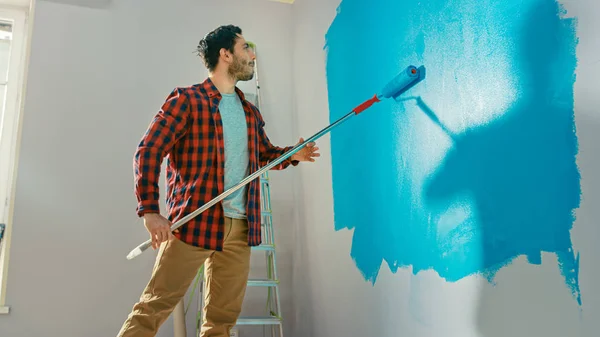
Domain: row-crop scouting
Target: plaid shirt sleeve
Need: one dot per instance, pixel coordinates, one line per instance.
(269, 152)
(165, 129)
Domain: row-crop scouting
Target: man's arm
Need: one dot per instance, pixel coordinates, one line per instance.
(269, 152)
(165, 129)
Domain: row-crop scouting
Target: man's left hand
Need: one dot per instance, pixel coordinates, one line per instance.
(307, 153)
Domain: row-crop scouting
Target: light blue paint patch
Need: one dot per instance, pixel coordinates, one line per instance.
(477, 166)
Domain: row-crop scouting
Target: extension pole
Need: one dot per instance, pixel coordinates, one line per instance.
(401, 83)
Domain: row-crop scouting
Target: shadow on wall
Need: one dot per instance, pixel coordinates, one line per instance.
(520, 172)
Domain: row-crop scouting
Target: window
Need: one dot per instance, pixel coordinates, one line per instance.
(13, 44)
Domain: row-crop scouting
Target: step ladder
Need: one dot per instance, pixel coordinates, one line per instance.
(272, 317)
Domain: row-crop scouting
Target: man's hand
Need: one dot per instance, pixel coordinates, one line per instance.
(307, 153)
(158, 227)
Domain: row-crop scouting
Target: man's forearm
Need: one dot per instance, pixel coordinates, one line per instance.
(146, 172)
(274, 152)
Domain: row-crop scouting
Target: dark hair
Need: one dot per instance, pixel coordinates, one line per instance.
(210, 46)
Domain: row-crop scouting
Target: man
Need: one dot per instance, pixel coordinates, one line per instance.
(213, 138)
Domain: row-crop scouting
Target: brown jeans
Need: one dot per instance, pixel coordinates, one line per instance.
(177, 264)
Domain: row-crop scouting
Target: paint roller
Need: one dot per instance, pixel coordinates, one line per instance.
(405, 80)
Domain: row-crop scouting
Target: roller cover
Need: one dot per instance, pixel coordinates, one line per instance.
(398, 85)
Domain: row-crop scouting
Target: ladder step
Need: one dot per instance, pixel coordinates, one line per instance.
(257, 320)
(262, 283)
(264, 247)
(265, 212)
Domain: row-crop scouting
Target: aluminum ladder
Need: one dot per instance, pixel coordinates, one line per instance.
(272, 315)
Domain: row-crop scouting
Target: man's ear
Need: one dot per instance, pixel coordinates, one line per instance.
(225, 54)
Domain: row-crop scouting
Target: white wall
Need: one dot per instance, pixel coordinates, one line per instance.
(96, 78)
(424, 305)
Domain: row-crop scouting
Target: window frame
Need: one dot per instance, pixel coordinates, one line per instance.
(12, 125)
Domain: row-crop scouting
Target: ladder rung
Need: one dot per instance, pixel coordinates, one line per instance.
(264, 212)
(262, 283)
(264, 247)
(266, 320)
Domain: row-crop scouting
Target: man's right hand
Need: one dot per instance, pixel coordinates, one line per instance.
(158, 227)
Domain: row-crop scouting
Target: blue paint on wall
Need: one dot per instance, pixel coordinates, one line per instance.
(477, 166)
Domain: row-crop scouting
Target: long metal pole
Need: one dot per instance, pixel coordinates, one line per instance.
(394, 88)
(144, 246)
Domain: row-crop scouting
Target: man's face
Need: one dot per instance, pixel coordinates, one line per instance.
(242, 66)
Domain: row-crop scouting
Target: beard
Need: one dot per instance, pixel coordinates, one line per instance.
(240, 70)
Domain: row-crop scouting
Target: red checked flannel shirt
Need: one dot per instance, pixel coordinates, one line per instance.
(188, 131)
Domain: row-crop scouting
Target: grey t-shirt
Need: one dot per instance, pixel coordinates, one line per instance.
(235, 134)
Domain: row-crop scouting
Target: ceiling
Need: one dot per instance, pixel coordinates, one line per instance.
(105, 3)
(84, 3)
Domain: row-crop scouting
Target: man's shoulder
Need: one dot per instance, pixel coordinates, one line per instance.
(194, 90)
(201, 90)
(252, 105)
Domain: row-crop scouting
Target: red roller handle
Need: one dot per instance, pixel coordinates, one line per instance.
(366, 104)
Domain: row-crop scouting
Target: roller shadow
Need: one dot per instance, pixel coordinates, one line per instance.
(519, 173)
(431, 114)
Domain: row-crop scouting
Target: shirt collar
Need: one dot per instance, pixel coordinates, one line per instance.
(212, 90)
